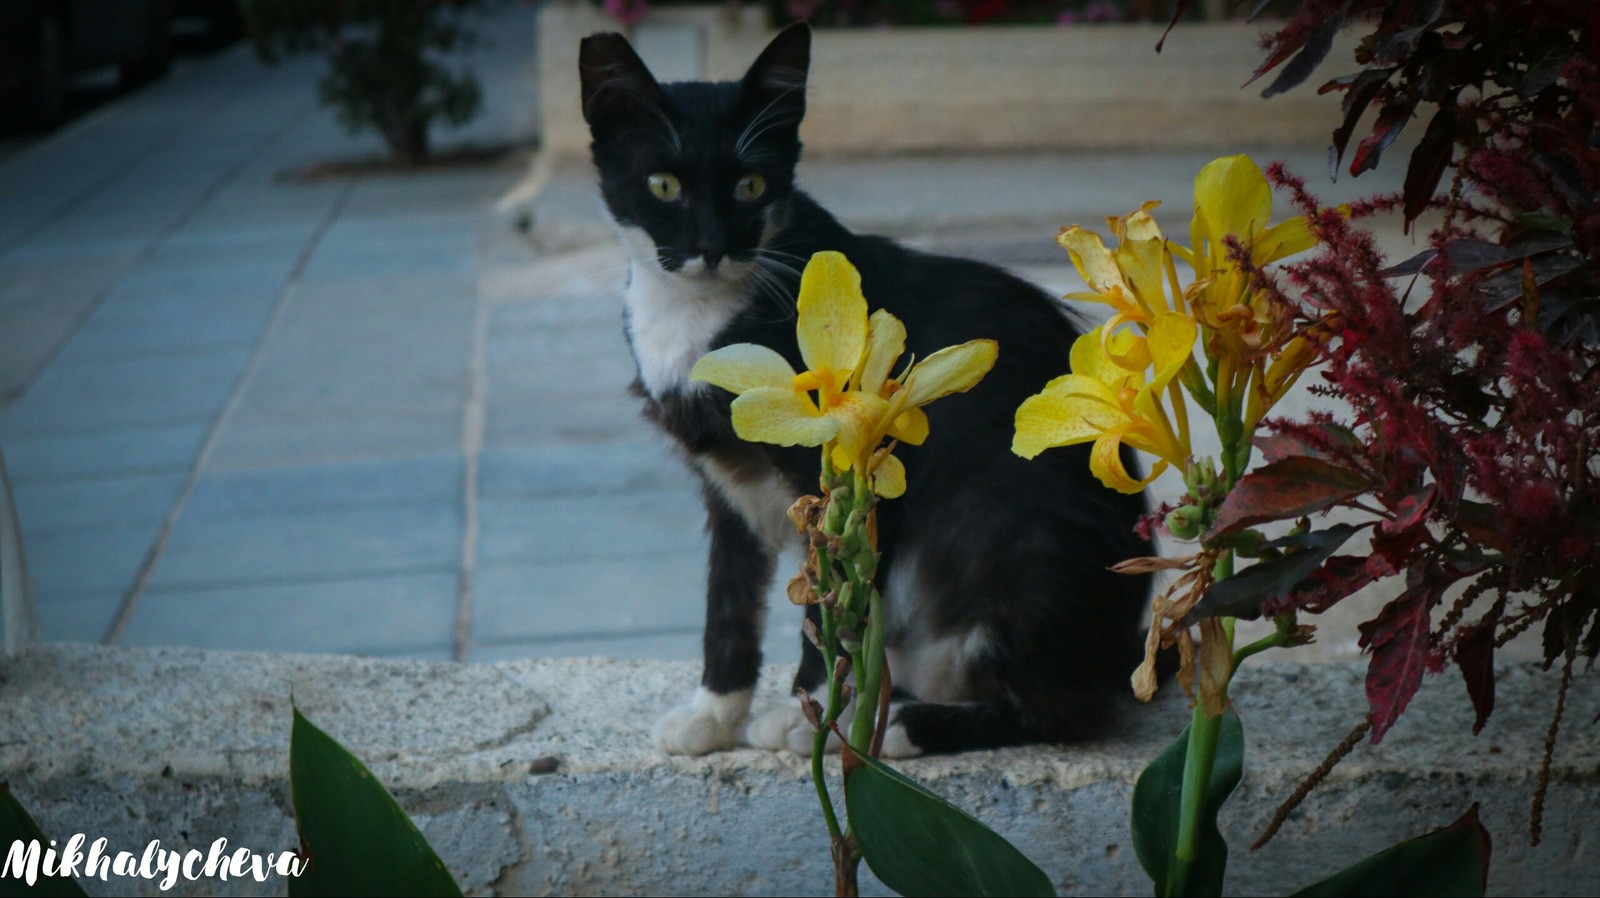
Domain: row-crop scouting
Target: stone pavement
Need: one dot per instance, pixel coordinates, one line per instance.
(366, 415)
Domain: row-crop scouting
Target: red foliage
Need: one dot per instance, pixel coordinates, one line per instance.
(1472, 371)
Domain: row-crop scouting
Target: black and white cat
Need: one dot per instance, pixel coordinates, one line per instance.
(1004, 624)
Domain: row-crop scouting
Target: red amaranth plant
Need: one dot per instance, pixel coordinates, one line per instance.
(1472, 370)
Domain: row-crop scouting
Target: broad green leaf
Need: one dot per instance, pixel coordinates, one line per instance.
(357, 839)
(16, 825)
(1158, 798)
(1448, 862)
(920, 844)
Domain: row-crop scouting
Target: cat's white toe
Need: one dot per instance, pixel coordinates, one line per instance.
(704, 724)
(785, 728)
(897, 744)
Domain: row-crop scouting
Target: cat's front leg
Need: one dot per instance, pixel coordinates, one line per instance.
(740, 569)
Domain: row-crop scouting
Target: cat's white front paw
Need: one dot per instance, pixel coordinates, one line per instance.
(704, 724)
(786, 728)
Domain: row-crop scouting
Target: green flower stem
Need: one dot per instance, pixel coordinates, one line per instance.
(1276, 640)
(819, 739)
(1198, 761)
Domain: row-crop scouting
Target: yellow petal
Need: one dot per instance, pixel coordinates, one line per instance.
(1282, 240)
(1046, 421)
(833, 314)
(1140, 225)
(1171, 342)
(1091, 257)
(886, 340)
(954, 369)
(859, 416)
(782, 417)
(1106, 462)
(1095, 356)
(741, 367)
(911, 426)
(1126, 349)
(1231, 196)
(1144, 265)
(889, 478)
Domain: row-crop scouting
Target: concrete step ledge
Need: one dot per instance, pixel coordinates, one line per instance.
(910, 89)
(186, 746)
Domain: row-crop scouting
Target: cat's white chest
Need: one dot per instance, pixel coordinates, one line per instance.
(671, 322)
(673, 317)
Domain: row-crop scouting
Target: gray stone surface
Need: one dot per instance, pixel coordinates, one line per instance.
(92, 746)
(223, 387)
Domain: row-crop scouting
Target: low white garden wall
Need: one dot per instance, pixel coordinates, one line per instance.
(899, 90)
(189, 746)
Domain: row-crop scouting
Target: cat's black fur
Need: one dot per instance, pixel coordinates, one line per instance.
(995, 568)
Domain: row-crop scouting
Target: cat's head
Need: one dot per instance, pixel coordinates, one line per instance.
(704, 169)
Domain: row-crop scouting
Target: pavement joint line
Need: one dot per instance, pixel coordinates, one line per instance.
(474, 417)
(141, 581)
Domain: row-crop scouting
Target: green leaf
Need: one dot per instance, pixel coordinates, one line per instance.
(1448, 862)
(920, 844)
(1158, 800)
(16, 825)
(357, 839)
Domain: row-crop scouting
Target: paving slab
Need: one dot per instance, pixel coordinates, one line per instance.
(55, 508)
(107, 453)
(224, 493)
(404, 614)
(221, 550)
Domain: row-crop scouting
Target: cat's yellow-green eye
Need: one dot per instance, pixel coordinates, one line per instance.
(665, 187)
(750, 187)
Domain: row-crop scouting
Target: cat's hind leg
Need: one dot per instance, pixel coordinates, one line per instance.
(740, 569)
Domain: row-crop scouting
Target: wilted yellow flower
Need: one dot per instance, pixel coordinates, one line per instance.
(1103, 401)
(1134, 279)
(848, 357)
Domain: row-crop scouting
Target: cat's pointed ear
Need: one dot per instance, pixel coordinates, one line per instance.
(613, 77)
(778, 76)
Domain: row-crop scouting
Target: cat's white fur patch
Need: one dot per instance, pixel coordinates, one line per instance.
(938, 670)
(673, 315)
(706, 723)
(763, 503)
(785, 728)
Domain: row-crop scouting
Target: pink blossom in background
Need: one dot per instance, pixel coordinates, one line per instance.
(802, 10)
(628, 12)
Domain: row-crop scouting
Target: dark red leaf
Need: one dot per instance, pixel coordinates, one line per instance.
(1310, 56)
(1411, 510)
(1475, 657)
(1398, 641)
(1429, 160)
(1279, 446)
(1363, 90)
(1177, 13)
(1391, 121)
(1284, 50)
(1339, 577)
(1413, 265)
(1243, 594)
(1287, 488)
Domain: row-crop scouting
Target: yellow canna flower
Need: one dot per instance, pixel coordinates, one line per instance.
(1232, 198)
(1111, 405)
(848, 357)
